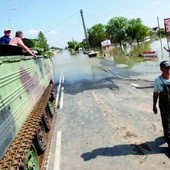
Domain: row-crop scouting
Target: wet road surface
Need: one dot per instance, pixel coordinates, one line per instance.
(105, 118)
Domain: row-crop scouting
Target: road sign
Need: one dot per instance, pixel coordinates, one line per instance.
(106, 43)
(167, 28)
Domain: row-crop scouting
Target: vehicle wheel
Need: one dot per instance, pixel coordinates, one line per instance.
(51, 108)
(46, 119)
(31, 162)
(40, 139)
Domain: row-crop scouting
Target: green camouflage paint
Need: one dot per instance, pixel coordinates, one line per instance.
(22, 83)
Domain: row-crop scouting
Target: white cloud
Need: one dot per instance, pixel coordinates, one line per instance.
(32, 33)
(50, 35)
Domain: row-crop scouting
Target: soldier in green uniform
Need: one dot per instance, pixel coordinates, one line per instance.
(162, 91)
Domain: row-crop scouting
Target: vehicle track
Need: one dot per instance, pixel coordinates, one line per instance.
(14, 158)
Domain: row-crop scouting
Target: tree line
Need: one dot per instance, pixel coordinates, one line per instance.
(118, 30)
(41, 43)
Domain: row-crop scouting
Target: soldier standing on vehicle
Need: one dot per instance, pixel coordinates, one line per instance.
(162, 91)
(17, 41)
(6, 38)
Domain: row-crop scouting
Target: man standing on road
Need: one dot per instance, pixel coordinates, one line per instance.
(162, 91)
(6, 38)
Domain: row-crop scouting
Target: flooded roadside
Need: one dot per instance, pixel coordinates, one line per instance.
(137, 63)
(80, 66)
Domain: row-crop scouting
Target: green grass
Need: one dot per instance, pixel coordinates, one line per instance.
(130, 61)
(130, 55)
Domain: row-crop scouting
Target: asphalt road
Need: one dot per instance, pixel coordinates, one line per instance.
(105, 121)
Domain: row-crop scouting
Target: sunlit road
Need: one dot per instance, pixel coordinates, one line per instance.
(104, 122)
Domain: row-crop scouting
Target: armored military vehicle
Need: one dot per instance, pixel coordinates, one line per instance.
(27, 108)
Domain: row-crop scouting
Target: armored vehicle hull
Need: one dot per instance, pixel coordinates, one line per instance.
(26, 108)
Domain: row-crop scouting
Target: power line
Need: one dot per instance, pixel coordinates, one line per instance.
(63, 21)
(103, 13)
(127, 9)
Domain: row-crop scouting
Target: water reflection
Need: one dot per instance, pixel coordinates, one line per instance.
(75, 67)
(133, 55)
(137, 50)
(129, 55)
(156, 45)
(80, 66)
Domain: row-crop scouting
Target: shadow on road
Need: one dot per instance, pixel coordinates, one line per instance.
(85, 84)
(145, 87)
(147, 148)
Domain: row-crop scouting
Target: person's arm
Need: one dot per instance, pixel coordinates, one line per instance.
(2, 41)
(24, 47)
(155, 99)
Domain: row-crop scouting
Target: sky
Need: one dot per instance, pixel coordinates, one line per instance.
(60, 21)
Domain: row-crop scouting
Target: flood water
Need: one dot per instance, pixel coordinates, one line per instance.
(75, 67)
(150, 66)
(80, 66)
(153, 66)
(156, 46)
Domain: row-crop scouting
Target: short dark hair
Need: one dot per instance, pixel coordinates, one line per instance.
(18, 33)
(164, 64)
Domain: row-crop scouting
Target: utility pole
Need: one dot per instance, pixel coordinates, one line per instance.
(84, 27)
(160, 37)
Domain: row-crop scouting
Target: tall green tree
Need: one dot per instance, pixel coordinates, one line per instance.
(72, 44)
(96, 34)
(116, 29)
(136, 30)
(42, 42)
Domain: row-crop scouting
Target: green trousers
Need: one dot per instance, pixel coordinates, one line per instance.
(164, 105)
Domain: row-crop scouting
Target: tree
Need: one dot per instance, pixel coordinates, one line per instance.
(72, 44)
(116, 29)
(42, 42)
(136, 30)
(96, 34)
(82, 44)
(161, 31)
(132, 29)
(54, 48)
